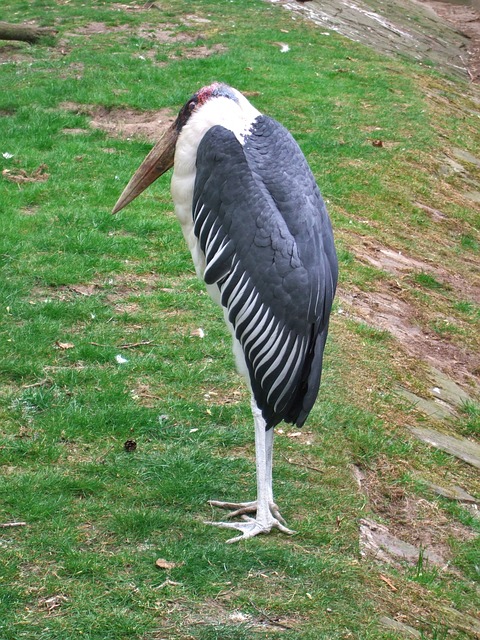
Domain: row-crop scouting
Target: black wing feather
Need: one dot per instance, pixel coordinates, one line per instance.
(268, 244)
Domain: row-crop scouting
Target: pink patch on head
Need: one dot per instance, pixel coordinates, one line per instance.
(205, 93)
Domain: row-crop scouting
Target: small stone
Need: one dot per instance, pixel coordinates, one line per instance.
(449, 390)
(465, 156)
(400, 627)
(453, 492)
(461, 448)
(377, 541)
(472, 195)
(434, 408)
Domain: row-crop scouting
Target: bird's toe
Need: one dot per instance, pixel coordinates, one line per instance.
(250, 527)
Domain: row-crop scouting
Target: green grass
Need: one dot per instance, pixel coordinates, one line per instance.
(80, 288)
(427, 280)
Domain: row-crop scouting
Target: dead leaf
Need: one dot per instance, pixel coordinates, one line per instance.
(54, 602)
(387, 581)
(377, 143)
(161, 563)
(84, 289)
(64, 345)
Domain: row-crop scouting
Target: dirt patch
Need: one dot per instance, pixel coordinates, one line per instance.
(95, 28)
(399, 27)
(31, 210)
(131, 8)
(75, 131)
(21, 176)
(394, 308)
(466, 21)
(202, 51)
(145, 396)
(386, 312)
(400, 264)
(14, 53)
(128, 283)
(123, 122)
(219, 397)
(127, 123)
(74, 70)
(127, 307)
(389, 260)
(219, 613)
(167, 34)
(412, 519)
(115, 289)
(190, 53)
(192, 19)
(377, 541)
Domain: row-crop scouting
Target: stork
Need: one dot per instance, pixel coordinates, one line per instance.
(261, 239)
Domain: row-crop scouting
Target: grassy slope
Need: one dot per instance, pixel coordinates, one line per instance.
(97, 516)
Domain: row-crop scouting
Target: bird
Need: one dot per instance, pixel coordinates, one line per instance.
(262, 241)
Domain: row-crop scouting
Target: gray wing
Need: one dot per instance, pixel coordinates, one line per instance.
(268, 244)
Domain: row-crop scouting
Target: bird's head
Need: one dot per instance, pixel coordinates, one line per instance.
(161, 157)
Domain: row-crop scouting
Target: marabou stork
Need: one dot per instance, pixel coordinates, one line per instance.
(261, 239)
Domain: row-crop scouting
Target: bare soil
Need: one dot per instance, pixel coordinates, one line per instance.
(387, 312)
(400, 264)
(466, 21)
(428, 30)
(14, 53)
(123, 122)
(411, 518)
(94, 28)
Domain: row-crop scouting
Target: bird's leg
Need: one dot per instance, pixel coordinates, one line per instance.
(269, 470)
(267, 514)
(263, 443)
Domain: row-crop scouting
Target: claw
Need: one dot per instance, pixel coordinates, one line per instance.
(240, 508)
(251, 527)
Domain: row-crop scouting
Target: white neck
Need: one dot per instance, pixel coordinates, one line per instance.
(238, 118)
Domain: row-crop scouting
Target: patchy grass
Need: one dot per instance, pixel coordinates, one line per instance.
(100, 343)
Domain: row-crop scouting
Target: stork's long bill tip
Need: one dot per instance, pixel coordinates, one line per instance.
(159, 160)
(119, 205)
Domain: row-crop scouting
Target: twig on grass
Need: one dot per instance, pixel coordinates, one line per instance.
(40, 383)
(133, 345)
(389, 582)
(268, 618)
(170, 583)
(128, 345)
(301, 464)
(7, 525)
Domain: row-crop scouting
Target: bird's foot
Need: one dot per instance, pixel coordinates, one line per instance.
(242, 508)
(251, 527)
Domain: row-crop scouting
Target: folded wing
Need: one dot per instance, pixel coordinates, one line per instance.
(268, 244)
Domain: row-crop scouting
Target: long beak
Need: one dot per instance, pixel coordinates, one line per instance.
(159, 160)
